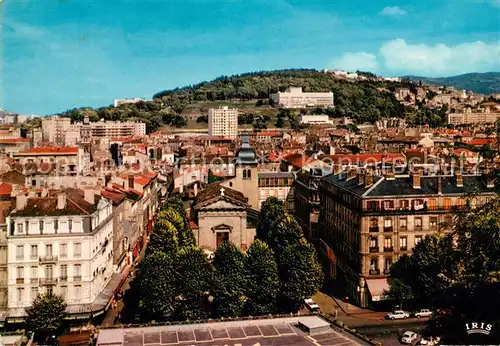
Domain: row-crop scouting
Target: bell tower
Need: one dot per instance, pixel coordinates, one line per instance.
(247, 179)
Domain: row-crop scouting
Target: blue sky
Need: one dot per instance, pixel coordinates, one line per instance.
(60, 54)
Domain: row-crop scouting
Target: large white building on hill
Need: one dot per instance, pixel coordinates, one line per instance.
(296, 98)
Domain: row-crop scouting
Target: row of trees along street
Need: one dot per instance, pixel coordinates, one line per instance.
(177, 281)
(457, 275)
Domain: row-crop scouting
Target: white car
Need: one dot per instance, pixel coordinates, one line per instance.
(311, 304)
(409, 337)
(429, 342)
(423, 313)
(398, 315)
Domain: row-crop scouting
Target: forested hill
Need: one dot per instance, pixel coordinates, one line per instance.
(365, 101)
(483, 83)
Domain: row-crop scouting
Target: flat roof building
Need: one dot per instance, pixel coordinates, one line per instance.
(223, 122)
(296, 98)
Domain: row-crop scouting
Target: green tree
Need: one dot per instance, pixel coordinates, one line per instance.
(163, 238)
(46, 315)
(284, 231)
(195, 280)
(229, 289)
(157, 279)
(261, 272)
(271, 210)
(399, 291)
(300, 274)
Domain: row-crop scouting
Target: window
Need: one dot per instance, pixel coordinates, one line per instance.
(373, 264)
(49, 290)
(388, 243)
(78, 292)
(387, 266)
(64, 291)
(63, 272)
(404, 204)
(387, 225)
(27, 225)
(56, 225)
(34, 274)
(49, 272)
(244, 174)
(433, 222)
(20, 252)
(388, 204)
(373, 243)
(77, 272)
(403, 224)
(222, 237)
(48, 250)
(20, 294)
(34, 252)
(374, 225)
(33, 182)
(20, 228)
(403, 243)
(77, 250)
(41, 225)
(20, 275)
(63, 250)
(70, 225)
(418, 239)
(34, 292)
(418, 222)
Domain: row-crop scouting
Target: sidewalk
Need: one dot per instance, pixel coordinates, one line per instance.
(347, 313)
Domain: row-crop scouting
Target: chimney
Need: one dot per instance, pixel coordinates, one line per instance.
(440, 185)
(361, 178)
(21, 201)
(131, 181)
(460, 180)
(416, 180)
(369, 178)
(61, 200)
(88, 194)
(351, 173)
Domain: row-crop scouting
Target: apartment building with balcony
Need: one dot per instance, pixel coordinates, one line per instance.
(54, 129)
(296, 98)
(66, 159)
(368, 220)
(223, 122)
(61, 243)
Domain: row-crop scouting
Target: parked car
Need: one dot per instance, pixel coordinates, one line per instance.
(429, 341)
(409, 337)
(423, 313)
(398, 315)
(311, 304)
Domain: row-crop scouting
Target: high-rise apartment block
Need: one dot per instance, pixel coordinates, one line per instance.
(223, 122)
(296, 98)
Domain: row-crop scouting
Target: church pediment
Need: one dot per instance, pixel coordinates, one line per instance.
(222, 204)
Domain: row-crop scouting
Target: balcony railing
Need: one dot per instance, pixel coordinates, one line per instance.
(374, 271)
(374, 249)
(48, 259)
(374, 229)
(63, 278)
(77, 278)
(403, 248)
(33, 280)
(388, 229)
(20, 281)
(48, 281)
(388, 249)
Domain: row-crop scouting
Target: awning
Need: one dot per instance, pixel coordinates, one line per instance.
(377, 287)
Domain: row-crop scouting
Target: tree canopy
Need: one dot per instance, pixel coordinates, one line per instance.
(46, 315)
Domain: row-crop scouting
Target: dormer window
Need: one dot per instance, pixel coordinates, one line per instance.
(20, 228)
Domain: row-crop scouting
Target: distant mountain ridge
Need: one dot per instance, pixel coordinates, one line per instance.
(483, 83)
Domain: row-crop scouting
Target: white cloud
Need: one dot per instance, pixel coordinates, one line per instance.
(440, 59)
(356, 61)
(393, 11)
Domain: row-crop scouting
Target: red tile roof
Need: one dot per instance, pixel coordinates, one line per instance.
(481, 141)
(49, 151)
(268, 134)
(114, 196)
(364, 158)
(193, 225)
(13, 140)
(5, 189)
